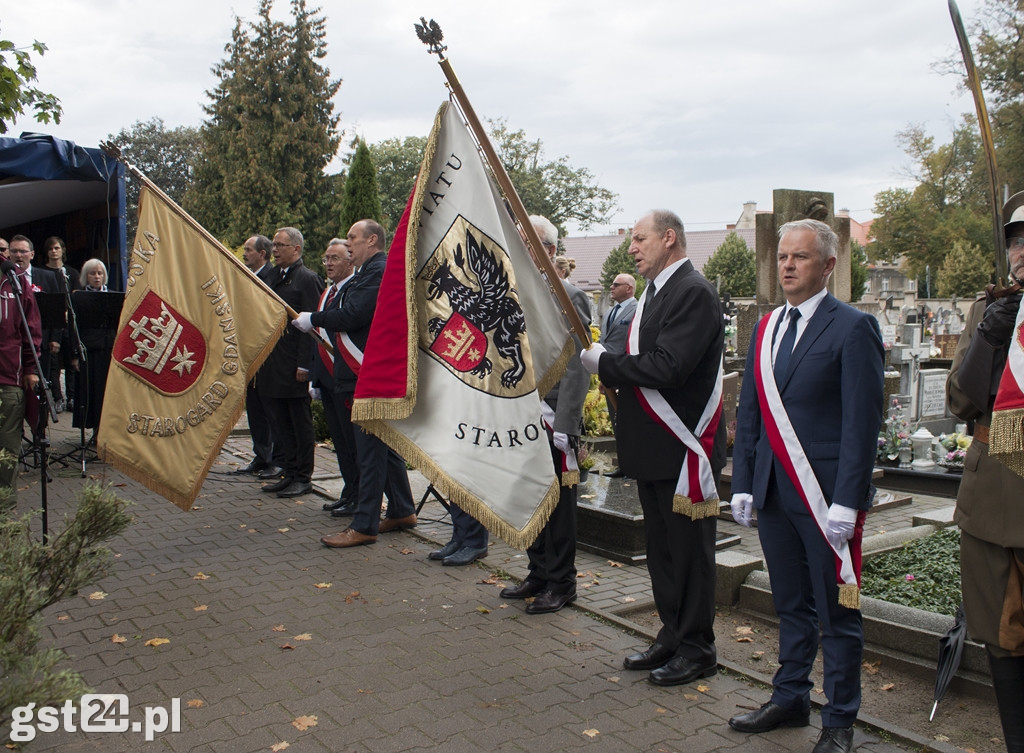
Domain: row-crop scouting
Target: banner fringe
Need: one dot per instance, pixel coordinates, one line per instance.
(570, 478)
(685, 506)
(451, 490)
(849, 596)
(1007, 439)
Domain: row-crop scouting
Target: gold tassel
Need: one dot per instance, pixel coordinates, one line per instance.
(570, 478)
(1007, 439)
(706, 509)
(849, 596)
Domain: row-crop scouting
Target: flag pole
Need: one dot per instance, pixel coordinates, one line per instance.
(430, 34)
(114, 151)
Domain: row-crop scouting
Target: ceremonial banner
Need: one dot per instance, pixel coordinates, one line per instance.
(466, 340)
(195, 326)
(1007, 431)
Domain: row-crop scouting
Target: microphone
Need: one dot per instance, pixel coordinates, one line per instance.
(11, 270)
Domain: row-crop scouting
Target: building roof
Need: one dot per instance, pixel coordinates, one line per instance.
(591, 251)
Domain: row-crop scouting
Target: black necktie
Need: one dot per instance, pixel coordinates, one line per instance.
(786, 346)
(284, 274)
(651, 289)
(330, 297)
(615, 313)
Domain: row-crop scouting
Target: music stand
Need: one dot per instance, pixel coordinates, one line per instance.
(52, 316)
(94, 311)
(432, 492)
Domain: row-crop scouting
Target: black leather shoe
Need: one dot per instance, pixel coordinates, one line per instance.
(347, 510)
(277, 486)
(450, 548)
(466, 555)
(680, 671)
(273, 471)
(524, 590)
(252, 469)
(834, 740)
(656, 656)
(339, 502)
(770, 716)
(296, 489)
(549, 601)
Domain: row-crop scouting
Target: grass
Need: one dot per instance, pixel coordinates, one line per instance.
(924, 574)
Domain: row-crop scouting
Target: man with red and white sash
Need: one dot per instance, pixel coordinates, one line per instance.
(670, 438)
(806, 436)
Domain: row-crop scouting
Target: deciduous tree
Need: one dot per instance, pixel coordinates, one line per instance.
(17, 94)
(965, 272)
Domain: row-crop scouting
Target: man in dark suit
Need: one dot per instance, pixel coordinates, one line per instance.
(41, 280)
(380, 467)
(615, 324)
(256, 255)
(807, 432)
(338, 415)
(552, 578)
(283, 378)
(669, 377)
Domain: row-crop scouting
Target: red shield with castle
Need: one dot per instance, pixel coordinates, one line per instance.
(460, 344)
(160, 346)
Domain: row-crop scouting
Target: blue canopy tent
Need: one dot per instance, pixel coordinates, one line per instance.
(49, 186)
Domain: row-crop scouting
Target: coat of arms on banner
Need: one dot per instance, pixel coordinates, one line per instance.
(161, 347)
(471, 320)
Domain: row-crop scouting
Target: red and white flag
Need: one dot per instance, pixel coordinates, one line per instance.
(1007, 430)
(465, 342)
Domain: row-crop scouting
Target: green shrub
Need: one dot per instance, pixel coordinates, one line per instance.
(924, 574)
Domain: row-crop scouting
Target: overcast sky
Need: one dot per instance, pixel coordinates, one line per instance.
(689, 105)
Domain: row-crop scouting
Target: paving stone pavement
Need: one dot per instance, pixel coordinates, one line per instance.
(276, 639)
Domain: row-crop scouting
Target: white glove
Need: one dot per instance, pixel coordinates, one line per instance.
(742, 508)
(302, 322)
(840, 524)
(314, 392)
(592, 357)
(561, 442)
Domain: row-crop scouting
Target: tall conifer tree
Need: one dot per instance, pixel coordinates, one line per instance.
(362, 197)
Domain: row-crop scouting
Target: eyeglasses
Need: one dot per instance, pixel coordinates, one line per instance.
(1015, 242)
(332, 259)
(283, 245)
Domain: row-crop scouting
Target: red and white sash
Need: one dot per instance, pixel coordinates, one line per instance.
(696, 495)
(1007, 431)
(349, 351)
(326, 357)
(786, 446)
(570, 470)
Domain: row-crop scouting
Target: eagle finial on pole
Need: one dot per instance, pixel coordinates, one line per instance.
(431, 35)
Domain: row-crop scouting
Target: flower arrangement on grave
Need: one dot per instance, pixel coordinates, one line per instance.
(955, 446)
(895, 434)
(585, 456)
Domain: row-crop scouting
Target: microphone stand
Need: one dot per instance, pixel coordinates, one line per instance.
(78, 347)
(43, 392)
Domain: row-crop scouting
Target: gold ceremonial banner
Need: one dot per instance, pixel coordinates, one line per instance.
(195, 326)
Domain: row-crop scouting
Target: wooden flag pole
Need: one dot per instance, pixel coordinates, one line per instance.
(431, 36)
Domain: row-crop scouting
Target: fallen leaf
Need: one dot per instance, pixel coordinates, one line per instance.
(195, 703)
(613, 563)
(324, 585)
(283, 530)
(97, 595)
(287, 647)
(279, 746)
(200, 608)
(743, 630)
(483, 610)
(942, 738)
(200, 576)
(690, 696)
(889, 686)
(351, 597)
(744, 639)
(157, 641)
(871, 667)
(302, 637)
(628, 599)
(491, 581)
(302, 723)
(364, 691)
(591, 732)
(660, 711)
(407, 551)
(756, 656)
(278, 628)
(64, 618)
(115, 638)
(613, 679)
(703, 688)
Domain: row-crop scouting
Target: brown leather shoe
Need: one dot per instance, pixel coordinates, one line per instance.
(397, 524)
(348, 537)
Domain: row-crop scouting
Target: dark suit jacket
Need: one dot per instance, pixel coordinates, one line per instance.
(613, 338)
(47, 282)
(354, 314)
(833, 395)
(301, 290)
(568, 394)
(318, 374)
(681, 341)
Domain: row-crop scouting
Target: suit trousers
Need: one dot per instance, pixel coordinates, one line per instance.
(293, 430)
(553, 553)
(802, 568)
(467, 530)
(380, 468)
(338, 414)
(259, 428)
(681, 562)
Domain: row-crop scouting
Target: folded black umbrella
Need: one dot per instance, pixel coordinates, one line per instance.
(951, 648)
